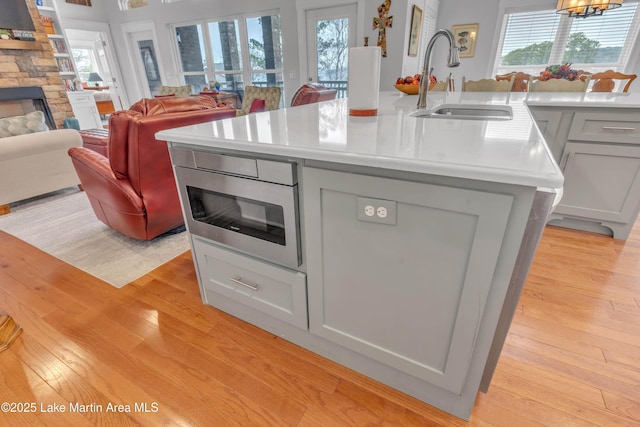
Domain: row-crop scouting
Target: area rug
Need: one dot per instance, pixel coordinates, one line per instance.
(64, 225)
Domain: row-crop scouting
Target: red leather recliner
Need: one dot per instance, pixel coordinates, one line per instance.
(133, 191)
(311, 93)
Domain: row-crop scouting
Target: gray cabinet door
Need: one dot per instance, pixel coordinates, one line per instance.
(407, 288)
(601, 181)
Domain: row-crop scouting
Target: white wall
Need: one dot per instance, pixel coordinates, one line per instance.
(456, 12)
(391, 66)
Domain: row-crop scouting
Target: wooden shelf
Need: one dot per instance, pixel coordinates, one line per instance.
(20, 44)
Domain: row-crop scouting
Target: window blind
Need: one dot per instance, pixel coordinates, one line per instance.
(531, 40)
(610, 31)
(527, 29)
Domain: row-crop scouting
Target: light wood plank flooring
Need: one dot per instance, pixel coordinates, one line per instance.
(572, 357)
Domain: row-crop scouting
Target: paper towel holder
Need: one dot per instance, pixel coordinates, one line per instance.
(364, 81)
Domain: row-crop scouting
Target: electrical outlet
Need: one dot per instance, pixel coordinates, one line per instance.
(377, 210)
(369, 210)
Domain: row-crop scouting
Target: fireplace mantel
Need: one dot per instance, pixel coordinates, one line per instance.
(20, 45)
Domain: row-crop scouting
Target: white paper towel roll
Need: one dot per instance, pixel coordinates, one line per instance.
(364, 80)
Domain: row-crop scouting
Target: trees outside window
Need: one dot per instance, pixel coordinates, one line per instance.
(333, 49)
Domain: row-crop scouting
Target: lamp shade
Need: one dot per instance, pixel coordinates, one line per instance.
(94, 77)
(584, 8)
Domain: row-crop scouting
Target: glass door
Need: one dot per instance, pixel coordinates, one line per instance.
(330, 33)
(146, 61)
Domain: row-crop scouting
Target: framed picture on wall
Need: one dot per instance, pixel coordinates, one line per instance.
(465, 36)
(414, 32)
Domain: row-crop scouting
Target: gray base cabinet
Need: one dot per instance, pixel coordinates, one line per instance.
(598, 150)
(410, 279)
(602, 183)
(409, 294)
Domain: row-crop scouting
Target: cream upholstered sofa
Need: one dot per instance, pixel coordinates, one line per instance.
(35, 162)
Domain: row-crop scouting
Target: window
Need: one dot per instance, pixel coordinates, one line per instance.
(85, 62)
(532, 40)
(233, 53)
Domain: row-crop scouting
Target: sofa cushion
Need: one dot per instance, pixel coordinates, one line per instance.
(271, 96)
(19, 125)
(257, 106)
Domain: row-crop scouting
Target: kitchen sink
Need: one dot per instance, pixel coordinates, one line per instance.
(467, 112)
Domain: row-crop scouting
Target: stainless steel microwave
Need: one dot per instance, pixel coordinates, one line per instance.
(245, 203)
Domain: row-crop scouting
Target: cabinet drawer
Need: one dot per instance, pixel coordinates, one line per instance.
(621, 127)
(276, 291)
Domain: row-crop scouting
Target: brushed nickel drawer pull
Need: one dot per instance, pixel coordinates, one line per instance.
(239, 281)
(617, 128)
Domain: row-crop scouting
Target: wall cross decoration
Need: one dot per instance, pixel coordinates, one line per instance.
(381, 23)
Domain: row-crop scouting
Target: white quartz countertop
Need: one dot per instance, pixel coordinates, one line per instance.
(511, 151)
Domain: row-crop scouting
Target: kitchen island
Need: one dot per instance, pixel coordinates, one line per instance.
(414, 235)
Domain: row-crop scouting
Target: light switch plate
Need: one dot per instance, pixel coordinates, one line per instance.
(377, 210)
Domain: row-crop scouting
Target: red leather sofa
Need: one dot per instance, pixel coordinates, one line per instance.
(133, 190)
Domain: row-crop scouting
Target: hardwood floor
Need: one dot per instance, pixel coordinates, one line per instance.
(572, 357)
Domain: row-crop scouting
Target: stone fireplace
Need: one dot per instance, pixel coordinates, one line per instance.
(35, 67)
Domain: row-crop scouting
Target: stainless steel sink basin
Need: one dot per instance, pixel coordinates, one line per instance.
(467, 112)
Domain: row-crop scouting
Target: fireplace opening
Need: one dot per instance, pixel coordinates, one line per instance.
(17, 101)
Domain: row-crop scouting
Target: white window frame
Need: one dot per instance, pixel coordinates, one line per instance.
(210, 72)
(91, 48)
(519, 6)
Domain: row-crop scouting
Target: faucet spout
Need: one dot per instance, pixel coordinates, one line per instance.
(453, 61)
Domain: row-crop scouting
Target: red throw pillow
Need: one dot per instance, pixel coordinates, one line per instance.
(257, 106)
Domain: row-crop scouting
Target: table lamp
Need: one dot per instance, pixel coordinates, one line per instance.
(94, 77)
